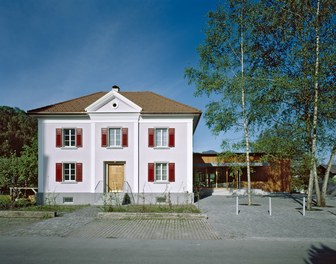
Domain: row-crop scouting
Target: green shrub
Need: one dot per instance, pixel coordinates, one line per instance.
(127, 199)
(22, 202)
(5, 202)
(152, 208)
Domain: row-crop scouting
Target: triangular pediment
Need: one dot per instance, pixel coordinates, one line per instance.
(113, 102)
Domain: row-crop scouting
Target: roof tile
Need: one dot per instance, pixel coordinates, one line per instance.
(149, 102)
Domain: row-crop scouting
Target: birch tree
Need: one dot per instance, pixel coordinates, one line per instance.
(313, 170)
(221, 73)
(326, 176)
(295, 54)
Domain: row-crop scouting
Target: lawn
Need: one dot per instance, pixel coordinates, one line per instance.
(25, 205)
(134, 208)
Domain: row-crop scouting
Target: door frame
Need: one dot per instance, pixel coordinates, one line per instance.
(106, 172)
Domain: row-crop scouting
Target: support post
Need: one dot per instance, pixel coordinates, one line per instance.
(270, 206)
(304, 206)
(237, 203)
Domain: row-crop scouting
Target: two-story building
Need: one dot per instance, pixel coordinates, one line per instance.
(138, 143)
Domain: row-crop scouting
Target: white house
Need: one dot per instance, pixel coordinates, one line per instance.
(115, 142)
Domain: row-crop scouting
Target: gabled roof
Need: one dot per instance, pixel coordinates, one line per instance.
(151, 103)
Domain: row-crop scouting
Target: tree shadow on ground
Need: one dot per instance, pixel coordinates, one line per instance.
(321, 255)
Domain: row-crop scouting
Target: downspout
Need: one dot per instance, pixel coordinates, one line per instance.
(138, 159)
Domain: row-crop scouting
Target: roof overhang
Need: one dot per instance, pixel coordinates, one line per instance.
(232, 164)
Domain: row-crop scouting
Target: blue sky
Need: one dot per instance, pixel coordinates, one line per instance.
(52, 51)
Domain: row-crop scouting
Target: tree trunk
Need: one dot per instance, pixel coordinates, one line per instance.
(326, 177)
(314, 138)
(247, 145)
(313, 173)
(310, 191)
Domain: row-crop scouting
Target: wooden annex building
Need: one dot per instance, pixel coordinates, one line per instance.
(214, 171)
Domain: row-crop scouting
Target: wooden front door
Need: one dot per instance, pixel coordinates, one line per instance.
(115, 177)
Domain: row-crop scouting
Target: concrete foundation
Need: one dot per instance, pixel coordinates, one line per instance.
(114, 198)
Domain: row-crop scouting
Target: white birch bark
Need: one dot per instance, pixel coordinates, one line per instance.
(326, 176)
(247, 144)
(313, 173)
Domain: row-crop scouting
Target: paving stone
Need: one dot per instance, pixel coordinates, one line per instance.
(85, 224)
(180, 229)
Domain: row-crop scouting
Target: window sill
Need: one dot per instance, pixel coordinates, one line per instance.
(69, 182)
(161, 147)
(117, 147)
(69, 148)
(161, 182)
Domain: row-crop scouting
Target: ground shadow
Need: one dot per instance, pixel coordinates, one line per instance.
(246, 204)
(321, 255)
(202, 193)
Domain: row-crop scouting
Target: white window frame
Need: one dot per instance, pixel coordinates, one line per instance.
(115, 136)
(70, 175)
(159, 170)
(161, 140)
(70, 145)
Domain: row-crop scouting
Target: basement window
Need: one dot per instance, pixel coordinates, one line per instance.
(68, 200)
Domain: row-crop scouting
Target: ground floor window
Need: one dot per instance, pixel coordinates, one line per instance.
(161, 172)
(69, 171)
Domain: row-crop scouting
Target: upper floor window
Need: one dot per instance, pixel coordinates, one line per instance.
(69, 137)
(114, 137)
(161, 137)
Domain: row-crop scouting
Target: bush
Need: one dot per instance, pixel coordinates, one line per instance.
(127, 199)
(23, 202)
(298, 184)
(5, 202)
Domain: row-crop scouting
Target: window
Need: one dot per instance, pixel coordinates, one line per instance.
(68, 200)
(161, 137)
(69, 137)
(161, 171)
(115, 137)
(69, 172)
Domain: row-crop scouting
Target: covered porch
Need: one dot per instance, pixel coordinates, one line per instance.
(212, 172)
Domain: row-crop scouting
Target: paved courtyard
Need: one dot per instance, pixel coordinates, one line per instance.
(85, 224)
(286, 222)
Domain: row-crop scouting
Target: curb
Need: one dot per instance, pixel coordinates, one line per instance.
(119, 215)
(27, 214)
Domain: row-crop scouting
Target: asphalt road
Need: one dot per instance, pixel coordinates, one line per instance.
(69, 250)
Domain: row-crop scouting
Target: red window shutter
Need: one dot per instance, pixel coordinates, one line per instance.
(79, 137)
(171, 172)
(79, 172)
(58, 137)
(150, 137)
(171, 137)
(150, 172)
(104, 137)
(59, 172)
(125, 137)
